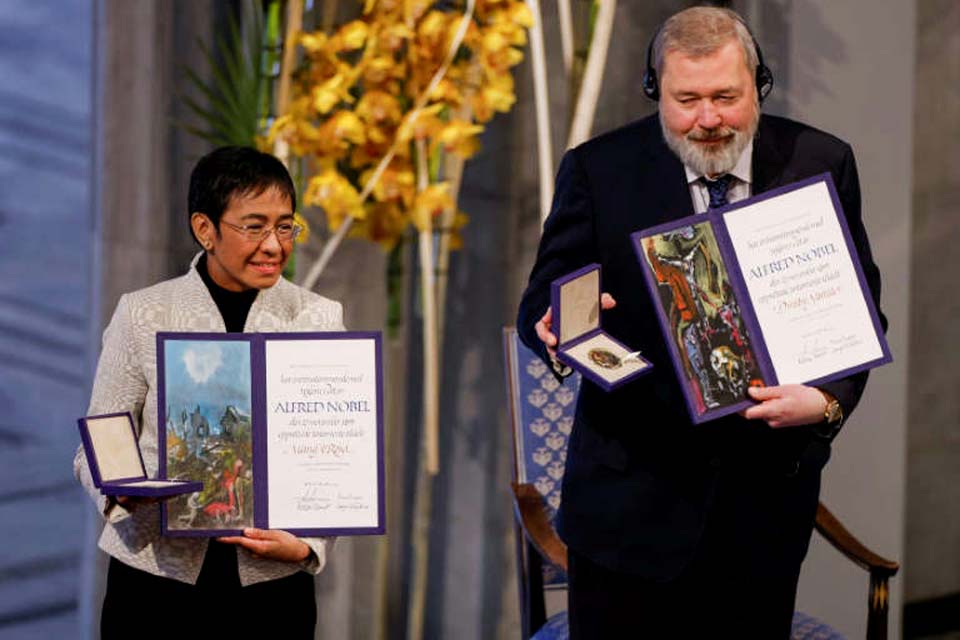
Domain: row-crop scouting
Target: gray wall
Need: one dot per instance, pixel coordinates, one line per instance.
(933, 455)
(847, 67)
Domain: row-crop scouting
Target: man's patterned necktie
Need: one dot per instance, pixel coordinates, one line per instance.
(718, 190)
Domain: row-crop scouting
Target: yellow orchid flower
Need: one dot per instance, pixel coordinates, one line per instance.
(384, 224)
(379, 107)
(333, 193)
(459, 137)
(394, 36)
(499, 99)
(381, 69)
(494, 41)
(513, 57)
(497, 95)
(349, 37)
(432, 31)
(515, 35)
(378, 143)
(511, 19)
(520, 14)
(300, 107)
(352, 103)
(420, 124)
(342, 129)
(447, 91)
(430, 203)
(297, 132)
(330, 93)
(313, 43)
(497, 55)
(279, 129)
(397, 183)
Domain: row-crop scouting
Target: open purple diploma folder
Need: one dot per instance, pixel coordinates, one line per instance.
(766, 291)
(285, 430)
(113, 456)
(581, 343)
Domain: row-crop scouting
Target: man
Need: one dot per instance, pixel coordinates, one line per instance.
(675, 529)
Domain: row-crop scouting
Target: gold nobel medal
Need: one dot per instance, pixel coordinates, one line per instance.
(604, 358)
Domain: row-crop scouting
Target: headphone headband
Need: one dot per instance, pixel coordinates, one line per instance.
(763, 77)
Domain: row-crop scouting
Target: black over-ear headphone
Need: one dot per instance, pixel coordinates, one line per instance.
(764, 77)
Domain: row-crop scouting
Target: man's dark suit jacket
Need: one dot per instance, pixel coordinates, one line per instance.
(640, 477)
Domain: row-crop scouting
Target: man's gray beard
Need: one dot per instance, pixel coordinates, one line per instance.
(717, 161)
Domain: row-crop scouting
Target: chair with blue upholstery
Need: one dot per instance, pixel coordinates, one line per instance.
(541, 416)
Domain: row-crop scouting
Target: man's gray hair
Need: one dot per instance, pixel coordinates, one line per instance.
(701, 31)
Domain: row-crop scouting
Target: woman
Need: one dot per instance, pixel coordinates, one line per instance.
(241, 205)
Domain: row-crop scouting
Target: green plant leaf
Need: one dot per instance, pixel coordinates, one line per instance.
(233, 94)
(212, 138)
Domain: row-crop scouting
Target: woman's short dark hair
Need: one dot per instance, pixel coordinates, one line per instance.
(228, 172)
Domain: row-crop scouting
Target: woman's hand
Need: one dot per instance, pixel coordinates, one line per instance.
(273, 544)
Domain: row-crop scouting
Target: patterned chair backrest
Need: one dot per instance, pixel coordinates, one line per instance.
(542, 411)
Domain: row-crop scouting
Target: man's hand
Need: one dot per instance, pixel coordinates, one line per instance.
(271, 543)
(546, 322)
(787, 405)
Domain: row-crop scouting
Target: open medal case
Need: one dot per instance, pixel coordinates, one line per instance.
(116, 465)
(582, 343)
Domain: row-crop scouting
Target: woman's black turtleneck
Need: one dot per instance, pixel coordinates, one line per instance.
(234, 306)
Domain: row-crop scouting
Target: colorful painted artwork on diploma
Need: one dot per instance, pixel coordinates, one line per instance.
(209, 432)
(703, 315)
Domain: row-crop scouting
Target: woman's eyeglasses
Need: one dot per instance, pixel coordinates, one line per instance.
(257, 232)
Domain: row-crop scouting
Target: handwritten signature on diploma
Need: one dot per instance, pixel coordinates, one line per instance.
(814, 346)
(351, 502)
(316, 496)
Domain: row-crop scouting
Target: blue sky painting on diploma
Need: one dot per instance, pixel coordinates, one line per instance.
(213, 373)
(209, 432)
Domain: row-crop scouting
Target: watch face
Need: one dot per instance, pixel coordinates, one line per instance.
(833, 412)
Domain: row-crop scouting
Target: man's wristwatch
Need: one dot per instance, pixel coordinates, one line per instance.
(832, 418)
